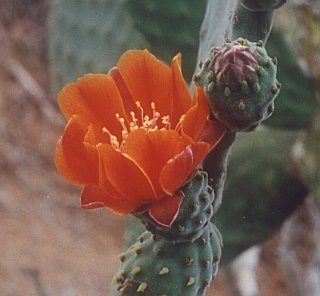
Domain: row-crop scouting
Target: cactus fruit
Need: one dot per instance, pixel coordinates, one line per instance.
(176, 260)
(262, 5)
(240, 83)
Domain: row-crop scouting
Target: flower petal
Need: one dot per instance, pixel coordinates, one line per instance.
(212, 133)
(181, 95)
(177, 170)
(96, 98)
(166, 210)
(127, 99)
(196, 116)
(148, 80)
(125, 175)
(74, 158)
(92, 197)
(152, 150)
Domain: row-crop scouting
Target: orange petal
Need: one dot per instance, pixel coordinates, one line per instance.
(125, 175)
(181, 95)
(92, 197)
(127, 99)
(178, 169)
(196, 117)
(96, 98)
(148, 80)
(75, 159)
(152, 150)
(166, 210)
(212, 133)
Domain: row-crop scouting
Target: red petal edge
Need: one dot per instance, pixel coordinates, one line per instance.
(166, 210)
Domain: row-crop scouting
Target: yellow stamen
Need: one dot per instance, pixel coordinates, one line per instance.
(113, 139)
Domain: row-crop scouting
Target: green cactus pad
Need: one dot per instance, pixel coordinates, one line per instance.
(240, 83)
(154, 266)
(195, 212)
(89, 36)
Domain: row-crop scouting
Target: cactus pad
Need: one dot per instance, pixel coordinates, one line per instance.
(154, 266)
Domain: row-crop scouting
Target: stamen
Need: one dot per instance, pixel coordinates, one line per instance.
(138, 104)
(166, 122)
(178, 126)
(113, 139)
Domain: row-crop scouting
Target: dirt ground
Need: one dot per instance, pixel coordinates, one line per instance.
(49, 245)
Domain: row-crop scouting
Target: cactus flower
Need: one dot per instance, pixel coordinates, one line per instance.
(134, 136)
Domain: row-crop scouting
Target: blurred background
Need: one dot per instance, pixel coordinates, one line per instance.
(270, 218)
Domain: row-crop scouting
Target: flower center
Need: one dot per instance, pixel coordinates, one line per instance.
(150, 124)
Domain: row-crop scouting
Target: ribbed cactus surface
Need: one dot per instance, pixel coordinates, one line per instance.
(177, 260)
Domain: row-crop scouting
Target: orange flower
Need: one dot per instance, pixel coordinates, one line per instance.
(134, 136)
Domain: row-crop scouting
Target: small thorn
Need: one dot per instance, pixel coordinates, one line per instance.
(209, 211)
(142, 287)
(138, 251)
(136, 270)
(198, 221)
(122, 257)
(181, 228)
(274, 60)
(141, 239)
(215, 259)
(204, 197)
(261, 71)
(210, 190)
(193, 207)
(260, 115)
(164, 271)
(241, 105)
(188, 261)
(210, 87)
(228, 40)
(200, 64)
(274, 89)
(227, 92)
(202, 241)
(210, 76)
(190, 281)
(159, 252)
(260, 43)
(270, 109)
(196, 78)
(245, 87)
(206, 263)
(256, 87)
